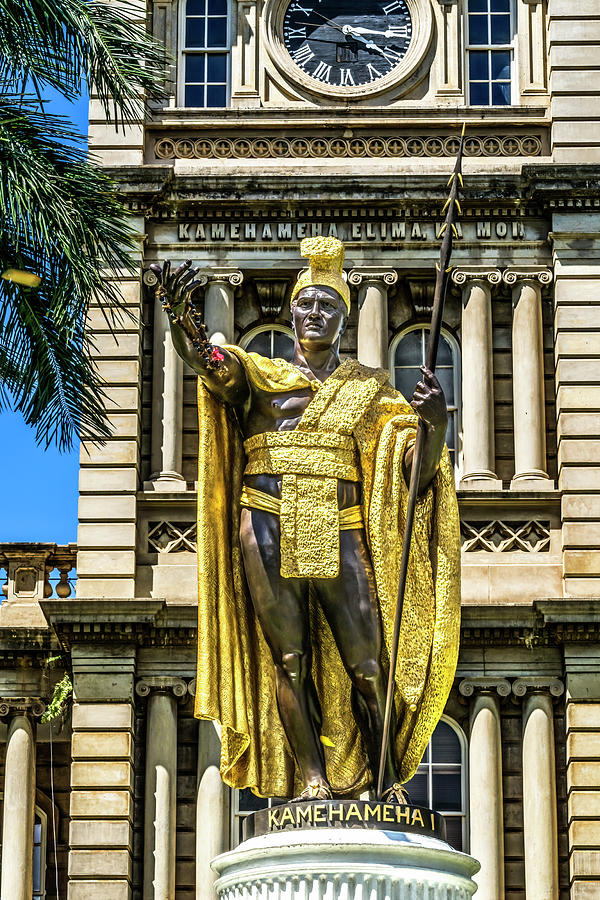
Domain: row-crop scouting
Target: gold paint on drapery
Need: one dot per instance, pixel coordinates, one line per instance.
(235, 683)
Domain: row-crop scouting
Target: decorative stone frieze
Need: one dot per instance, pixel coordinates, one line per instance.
(503, 537)
(171, 537)
(347, 147)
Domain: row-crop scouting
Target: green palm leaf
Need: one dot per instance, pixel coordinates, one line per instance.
(60, 215)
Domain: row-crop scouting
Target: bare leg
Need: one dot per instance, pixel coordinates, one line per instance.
(351, 608)
(281, 605)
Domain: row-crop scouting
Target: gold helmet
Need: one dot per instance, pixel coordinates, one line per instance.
(326, 256)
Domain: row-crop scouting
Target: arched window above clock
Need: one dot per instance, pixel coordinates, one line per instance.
(274, 341)
(205, 55)
(490, 42)
(407, 353)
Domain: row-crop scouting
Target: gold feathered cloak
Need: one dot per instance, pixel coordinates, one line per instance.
(235, 682)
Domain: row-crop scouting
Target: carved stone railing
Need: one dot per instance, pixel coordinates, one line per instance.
(31, 572)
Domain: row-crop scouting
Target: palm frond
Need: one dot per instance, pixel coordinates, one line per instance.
(63, 43)
(60, 217)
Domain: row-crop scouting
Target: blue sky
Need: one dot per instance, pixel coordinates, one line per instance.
(39, 487)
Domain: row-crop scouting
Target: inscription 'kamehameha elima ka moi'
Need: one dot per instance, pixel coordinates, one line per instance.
(345, 814)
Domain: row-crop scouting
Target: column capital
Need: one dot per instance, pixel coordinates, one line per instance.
(461, 275)
(488, 685)
(362, 274)
(164, 683)
(14, 706)
(233, 277)
(537, 274)
(535, 684)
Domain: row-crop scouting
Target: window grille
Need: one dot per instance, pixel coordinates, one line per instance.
(490, 52)
(40, 835)
(441, 781)
(206, 44)
(274, 341)
(407, 353)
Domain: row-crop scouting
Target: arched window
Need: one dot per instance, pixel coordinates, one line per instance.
(441, 780)
(40, 840)
(407, 353)
(274, 341)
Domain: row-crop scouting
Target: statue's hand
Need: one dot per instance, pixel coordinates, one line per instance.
(175, 291)
(429, 402)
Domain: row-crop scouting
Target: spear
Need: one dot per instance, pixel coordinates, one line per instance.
(447, 232)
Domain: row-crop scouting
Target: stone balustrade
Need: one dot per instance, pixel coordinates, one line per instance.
(31, 572)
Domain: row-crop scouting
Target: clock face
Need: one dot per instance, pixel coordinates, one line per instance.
(347, 43)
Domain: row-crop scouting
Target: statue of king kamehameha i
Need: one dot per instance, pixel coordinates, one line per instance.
(302, 491)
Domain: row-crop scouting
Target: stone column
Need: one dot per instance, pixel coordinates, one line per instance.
(486, 814)
(212, 810)
(19, 800)
(219, 304)
(167, 405)
(528, 377)
(477, 377)
(539, 786)
(161, 784)
(373, 284)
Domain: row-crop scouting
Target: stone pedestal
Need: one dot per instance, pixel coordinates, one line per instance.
(353, 863)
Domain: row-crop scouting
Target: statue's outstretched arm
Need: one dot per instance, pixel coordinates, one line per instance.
(429, 402)
(220, 371)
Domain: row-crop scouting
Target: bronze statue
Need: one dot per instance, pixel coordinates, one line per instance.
(302, 478)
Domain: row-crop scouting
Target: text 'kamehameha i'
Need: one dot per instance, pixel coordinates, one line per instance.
(345, 814)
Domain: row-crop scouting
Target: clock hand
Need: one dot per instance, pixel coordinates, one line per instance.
(351, 29)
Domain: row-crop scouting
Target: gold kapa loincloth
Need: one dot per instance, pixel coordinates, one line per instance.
(310, 464)
(349, 518)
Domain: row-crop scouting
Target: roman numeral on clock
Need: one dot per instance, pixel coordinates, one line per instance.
(322, 72)
(302, 55)
(373, 73)
(399, 31)
(396, 4)
(306, 12)
(296, 34)
(346, 77)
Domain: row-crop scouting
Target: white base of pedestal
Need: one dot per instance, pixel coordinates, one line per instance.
(344, 864)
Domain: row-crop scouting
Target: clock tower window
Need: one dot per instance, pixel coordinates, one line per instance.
(490, 51)
(205, 64)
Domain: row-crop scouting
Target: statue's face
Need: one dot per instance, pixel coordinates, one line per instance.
(318, 317)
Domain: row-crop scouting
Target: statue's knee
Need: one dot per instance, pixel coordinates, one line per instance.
(366, 675)
(294, 665)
